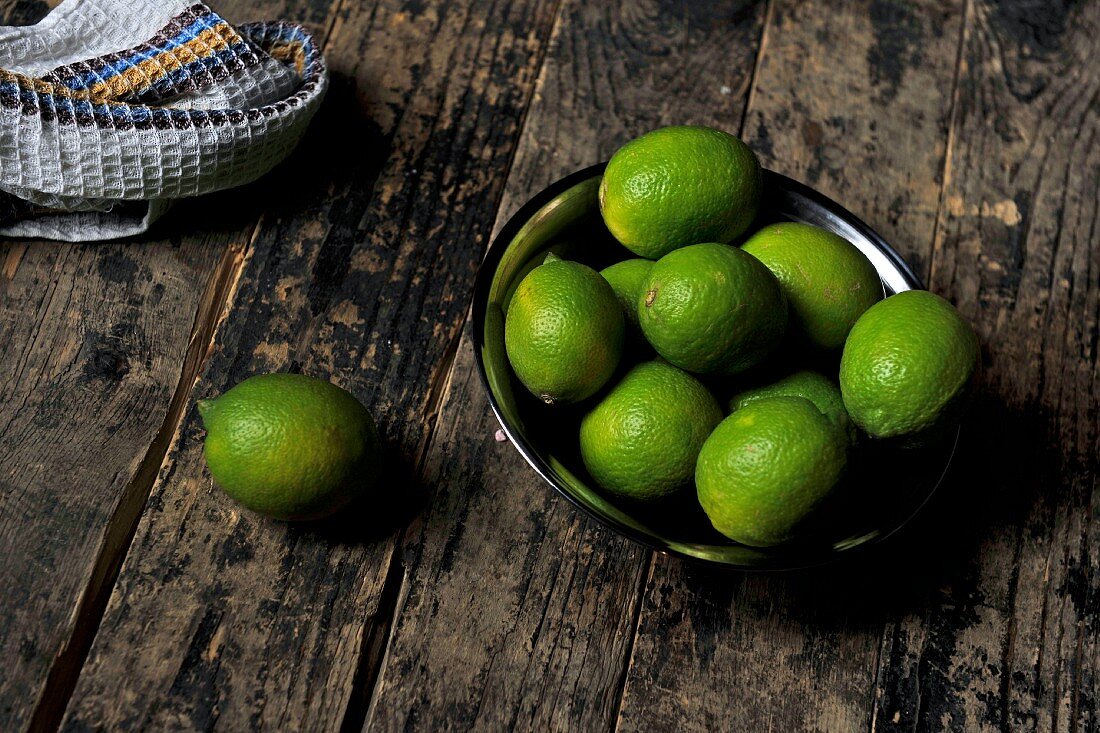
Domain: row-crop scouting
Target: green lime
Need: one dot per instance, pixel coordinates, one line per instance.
(766, 467)
(818, 389)
(678, 186)
(290, 446)
(712, 308)
(627, 278)
(908, 365)
(563, 331)
(642, 439)
(828, 282)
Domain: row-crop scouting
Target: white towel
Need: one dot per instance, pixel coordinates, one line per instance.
(109, 109)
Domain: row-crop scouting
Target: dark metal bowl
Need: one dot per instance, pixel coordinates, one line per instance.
(887, 486)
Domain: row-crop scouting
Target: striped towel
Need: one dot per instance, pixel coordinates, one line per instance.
(109, 109)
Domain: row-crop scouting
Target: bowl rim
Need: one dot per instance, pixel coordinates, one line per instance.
(479, 309)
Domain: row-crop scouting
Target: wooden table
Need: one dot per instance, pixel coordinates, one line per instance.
(137, 596)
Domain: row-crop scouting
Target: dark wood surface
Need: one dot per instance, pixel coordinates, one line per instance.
(841, 102)
(525, 607)
(137, 596)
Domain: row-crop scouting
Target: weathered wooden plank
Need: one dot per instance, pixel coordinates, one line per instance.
(98, 347)
(361, 273)
(518, 612)
(110, 332)
(857, 95)
(854, 99)
(1007, 641)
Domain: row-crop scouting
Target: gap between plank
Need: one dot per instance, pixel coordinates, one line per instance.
(120, 528)
(945, 180)
(375, 646)
(643, 583)
(769, 17)
(214, 308)
(377, 639)
(949, 145)
(650, 561)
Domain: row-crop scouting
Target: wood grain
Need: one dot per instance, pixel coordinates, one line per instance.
(360, 273)
(98, 347)
(472, 596)
(854, 99)
(1007, 639)
(517, 611)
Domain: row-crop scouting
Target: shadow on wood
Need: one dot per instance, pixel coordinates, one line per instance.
(1003, 455)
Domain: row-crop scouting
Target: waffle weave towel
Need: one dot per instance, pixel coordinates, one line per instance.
(111, 108)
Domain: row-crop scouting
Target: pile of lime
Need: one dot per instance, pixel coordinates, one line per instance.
(721, 308)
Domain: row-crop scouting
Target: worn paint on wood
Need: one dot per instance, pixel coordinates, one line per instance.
(517, 611)
(507, 606)
(855, 100)
(1006, 639)
(361, 273)
(98, 346)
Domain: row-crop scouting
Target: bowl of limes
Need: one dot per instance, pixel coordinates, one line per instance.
(717, 361)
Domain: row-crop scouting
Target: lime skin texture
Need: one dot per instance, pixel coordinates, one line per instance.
(828, 282)
(564, 331)
(290, 446)
(641, 441)
(766, 467)
(908, 366)
(712, 309)
(677, 186)
(817, 388)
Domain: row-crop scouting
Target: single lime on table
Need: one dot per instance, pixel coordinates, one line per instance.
(817, 388)
(766, 467)
(641, 441)
(564, 331)
(828, 282)
(711, 308)
(290, 446)
(627, 279)
(677, 186)
(908, 365)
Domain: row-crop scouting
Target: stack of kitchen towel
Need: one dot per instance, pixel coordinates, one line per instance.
(109, 109)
